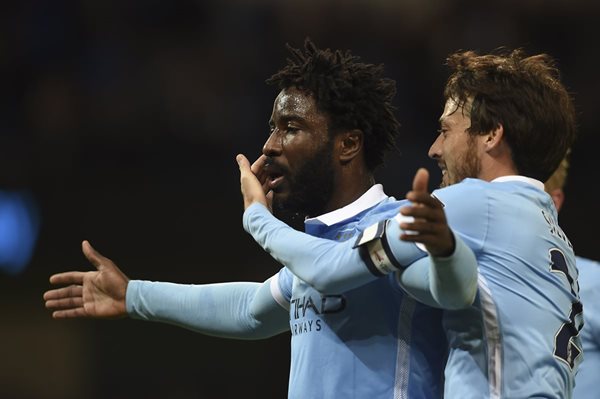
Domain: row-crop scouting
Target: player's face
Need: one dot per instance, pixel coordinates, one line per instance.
(300, 156)
(454, 149)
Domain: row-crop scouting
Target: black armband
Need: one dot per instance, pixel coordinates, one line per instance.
(375, 251)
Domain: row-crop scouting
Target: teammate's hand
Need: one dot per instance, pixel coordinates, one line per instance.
(253, 181)
(99, 294)
(429, 226)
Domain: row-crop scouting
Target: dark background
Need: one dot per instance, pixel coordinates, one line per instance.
(123, 119)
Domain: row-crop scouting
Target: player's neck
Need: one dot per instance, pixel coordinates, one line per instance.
(492, 168)
(349, 187)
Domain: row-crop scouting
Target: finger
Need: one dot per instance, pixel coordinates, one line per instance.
(424, 198)
(425, 213)
(66, 303)
(258, 168)
(270, 200)
(66, 292)
(69, 313)
(421, 180)
(67, 278)
(435, 245)
(258, 165)
(425, 239)
(422, 227)
(245, 171)
(93, 256)
(251, 188)
(243, 162)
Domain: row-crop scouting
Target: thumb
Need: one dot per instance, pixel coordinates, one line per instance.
(245, 170)
(258, 165)
(92, 255)
(421, 180)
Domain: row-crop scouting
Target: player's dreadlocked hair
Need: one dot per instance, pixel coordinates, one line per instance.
(525, 96)
(353, 94)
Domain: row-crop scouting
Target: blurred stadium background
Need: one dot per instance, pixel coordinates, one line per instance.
(120, 121)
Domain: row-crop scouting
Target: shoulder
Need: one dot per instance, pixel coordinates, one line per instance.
(384, 210)
(469, 196)
(471, 187)
(588, 268)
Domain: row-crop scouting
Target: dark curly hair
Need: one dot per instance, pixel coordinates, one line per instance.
(525, 96)
(353, 94)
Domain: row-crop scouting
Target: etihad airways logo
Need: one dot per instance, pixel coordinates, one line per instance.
(300, 306)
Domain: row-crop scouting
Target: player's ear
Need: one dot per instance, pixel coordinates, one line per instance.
(350, 144)
(558, 196)
(494, 138)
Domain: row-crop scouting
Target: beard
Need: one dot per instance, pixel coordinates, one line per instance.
(311, 188)
(467, 165)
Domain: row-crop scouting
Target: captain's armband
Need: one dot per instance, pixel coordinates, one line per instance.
(375, 251)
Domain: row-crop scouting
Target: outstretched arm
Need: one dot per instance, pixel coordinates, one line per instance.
(448, 282)
(238, 310)
(241, 310)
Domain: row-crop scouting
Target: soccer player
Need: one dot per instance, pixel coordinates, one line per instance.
(506, 125)
(331, 124)
(589, 283)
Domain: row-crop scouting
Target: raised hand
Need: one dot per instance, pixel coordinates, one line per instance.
(429, 226)
(253, 182)
(98, 294)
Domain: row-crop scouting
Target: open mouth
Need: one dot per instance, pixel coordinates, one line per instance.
(275, 175)
(274, 180)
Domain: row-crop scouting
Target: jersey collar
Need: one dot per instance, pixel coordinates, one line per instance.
(536, 183)
(370, 198)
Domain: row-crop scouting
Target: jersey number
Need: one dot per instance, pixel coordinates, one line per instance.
(564, 347)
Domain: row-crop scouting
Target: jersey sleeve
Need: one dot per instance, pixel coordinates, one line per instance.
(448, 282)
(281, 287)
(334, 267)
(234, 310)
(330, 267)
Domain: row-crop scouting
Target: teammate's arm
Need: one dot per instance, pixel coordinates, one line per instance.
(447, 280)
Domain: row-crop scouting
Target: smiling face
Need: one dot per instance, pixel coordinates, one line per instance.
(455, 150)
(299, 154)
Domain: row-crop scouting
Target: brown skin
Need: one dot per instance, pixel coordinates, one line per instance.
(98, 294)
(298, 132)
(430, 220)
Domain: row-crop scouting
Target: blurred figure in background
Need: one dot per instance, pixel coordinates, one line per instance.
(586, 382)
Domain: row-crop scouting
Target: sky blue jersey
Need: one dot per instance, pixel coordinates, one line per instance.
(372, 341)
(520, 337)
(586, 381)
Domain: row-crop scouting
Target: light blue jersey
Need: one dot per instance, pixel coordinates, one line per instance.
(370, 342)
(520, 338)
(356, 335)
(586, 382)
